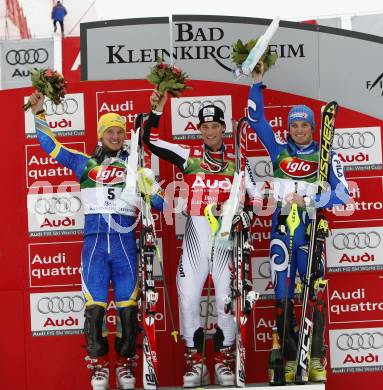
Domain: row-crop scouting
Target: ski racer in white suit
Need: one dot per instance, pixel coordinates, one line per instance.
(208, 170)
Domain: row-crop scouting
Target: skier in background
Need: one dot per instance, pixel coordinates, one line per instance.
(295, 185)
(58, 14)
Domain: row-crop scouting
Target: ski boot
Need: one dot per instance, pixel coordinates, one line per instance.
(195, 369)
(224, 367)
(290, 371)
(317, 372)
(100, 374)
(124, 372)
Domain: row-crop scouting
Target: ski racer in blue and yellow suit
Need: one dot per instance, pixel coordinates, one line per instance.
(109, 251)
(292, 184)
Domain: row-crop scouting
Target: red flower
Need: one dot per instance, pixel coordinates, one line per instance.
(49, 73)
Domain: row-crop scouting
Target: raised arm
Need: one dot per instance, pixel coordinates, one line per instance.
(257, 120)
(176, 154)
(68, 157)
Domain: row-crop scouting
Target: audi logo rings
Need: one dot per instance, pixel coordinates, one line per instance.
(361, 240)
(68, 106)
(26, 56)
(263, 168)
(56, 304)
(191, 109)
(357, 341)
(356, 140)
(57, 205)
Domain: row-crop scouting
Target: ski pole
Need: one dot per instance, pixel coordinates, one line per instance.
(214, 226)
(292, 221)
(174, 332)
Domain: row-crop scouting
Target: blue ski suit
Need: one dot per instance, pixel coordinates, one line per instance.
(294, 168)
(109, 251)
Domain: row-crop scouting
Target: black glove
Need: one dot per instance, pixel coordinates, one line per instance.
(243, 219)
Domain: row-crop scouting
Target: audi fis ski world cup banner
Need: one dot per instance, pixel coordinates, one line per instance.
(185, 115)
(57, 313)
(65, 119)
(19, 57)
(356, 350)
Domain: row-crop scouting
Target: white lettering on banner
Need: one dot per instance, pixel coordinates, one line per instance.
(77, 62)
(212, 184)
(52, 172)
(58, 259)
(357, 294)
(276, 121)
(353, 307)
(356, 307)
(42, 160)
(41, 273)
(261, 236)
(357, 206)
(126, 106)
(258, 222)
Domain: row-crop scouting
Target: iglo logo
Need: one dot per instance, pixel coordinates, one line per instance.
(296, 167)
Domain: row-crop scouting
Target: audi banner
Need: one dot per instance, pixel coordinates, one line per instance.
(356, 249)
(57, 313)
(18, 58)
(185, 115)
(356, 350)
(53, 264)
(65, 119)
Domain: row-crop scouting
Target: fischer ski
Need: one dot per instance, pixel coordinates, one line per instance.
(313, 284)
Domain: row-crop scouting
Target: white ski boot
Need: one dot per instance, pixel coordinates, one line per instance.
(124, 373)
(224, 367)
(195, 369)
(100, 375)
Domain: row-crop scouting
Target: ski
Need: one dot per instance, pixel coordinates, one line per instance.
(147, 252)
(242, 297)
(313, 285)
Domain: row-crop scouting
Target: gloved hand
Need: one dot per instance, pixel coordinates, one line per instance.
(146, 181)
(243, 219)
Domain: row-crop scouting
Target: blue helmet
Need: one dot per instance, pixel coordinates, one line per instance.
(301, 113)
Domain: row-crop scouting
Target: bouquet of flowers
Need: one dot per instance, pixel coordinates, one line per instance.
(241, 51)
(168, 78)
(50, 83)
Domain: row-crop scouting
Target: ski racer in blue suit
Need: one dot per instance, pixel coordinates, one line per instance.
(295, 165)
(109, 251)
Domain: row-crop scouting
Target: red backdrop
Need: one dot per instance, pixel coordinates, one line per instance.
(40, 250)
